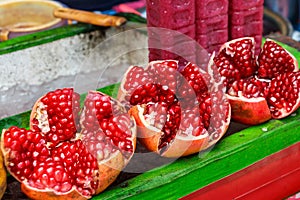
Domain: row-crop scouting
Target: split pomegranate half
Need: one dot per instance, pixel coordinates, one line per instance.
(179, 110)
(259, 88)
(70, 153)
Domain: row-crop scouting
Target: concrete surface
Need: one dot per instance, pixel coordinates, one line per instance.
(85, 61)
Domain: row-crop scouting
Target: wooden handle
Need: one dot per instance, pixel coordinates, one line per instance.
(4, 35)
(89, 17)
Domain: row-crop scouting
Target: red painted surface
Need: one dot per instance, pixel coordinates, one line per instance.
(274, 177)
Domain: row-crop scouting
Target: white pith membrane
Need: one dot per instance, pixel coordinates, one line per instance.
(149, 126)
(180, 135)
(240, 97)
(42, 116)
(51, 190)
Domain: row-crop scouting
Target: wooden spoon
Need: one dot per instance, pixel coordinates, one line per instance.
(89, 17)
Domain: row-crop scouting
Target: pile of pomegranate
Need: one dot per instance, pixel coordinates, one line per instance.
(261, 87)
(69, 152)
(75, 151)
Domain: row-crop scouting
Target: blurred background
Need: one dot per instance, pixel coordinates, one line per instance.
(100, 5)
(289, 9)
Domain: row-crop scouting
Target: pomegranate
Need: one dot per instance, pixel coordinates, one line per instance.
(179, 110)
(70, 153)
(2, 177)
(259, 88)
(236, 59)
(274, 60)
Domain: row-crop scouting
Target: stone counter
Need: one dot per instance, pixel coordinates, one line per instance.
(86, 60)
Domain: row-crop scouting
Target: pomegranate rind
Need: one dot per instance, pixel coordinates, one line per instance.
(250, 111)
(35, 194)
(110, 170)
(150, 137)
(3, 183)
(112, 167)
(5, 155)
(182, 147)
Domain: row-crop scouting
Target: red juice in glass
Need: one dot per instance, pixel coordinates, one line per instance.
(175, 40)
(246, 19)
(211, 23)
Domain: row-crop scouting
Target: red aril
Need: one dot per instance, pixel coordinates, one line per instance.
(236, 59)
(274, 60)
(173, 107)
(56, 114)
(271, 90)
(284, 94)
(248, 101)
(70, 153)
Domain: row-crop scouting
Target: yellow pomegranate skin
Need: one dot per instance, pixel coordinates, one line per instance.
(2, 176)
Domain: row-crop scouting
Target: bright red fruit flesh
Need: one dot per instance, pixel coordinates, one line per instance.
(69, 153)
(259, 88)
(179, 110)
